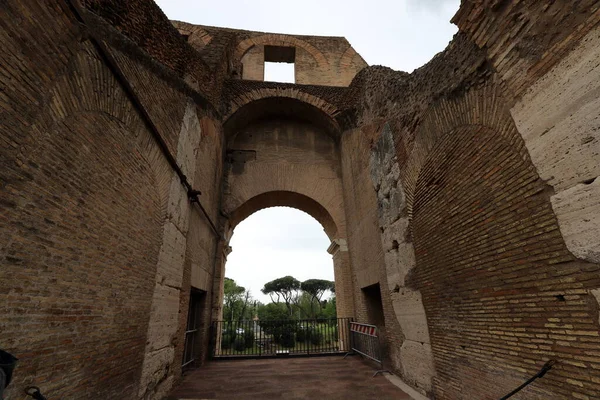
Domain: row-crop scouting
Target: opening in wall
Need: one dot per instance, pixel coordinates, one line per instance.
(280, 64)
(372, 297)
(192, 347)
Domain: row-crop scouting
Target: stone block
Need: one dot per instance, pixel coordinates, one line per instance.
(153, 371)
(201, 279)
(410, 312)
(171, 257)
(417, 363)
(578, 213)
(163, 317)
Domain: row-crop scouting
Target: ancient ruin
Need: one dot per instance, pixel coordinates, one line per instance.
(462, 200)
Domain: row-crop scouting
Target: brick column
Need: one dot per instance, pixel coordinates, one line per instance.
(343, 278)
(223, 250)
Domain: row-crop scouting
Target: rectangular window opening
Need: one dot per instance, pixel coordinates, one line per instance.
(372, 297)
(280, 64)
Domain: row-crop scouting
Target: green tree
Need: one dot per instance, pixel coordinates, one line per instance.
(286, 288)
(272, 311)
(329, 311)
(316, 288)
(237, 301)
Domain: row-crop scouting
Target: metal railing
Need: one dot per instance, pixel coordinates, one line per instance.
(364, 339)
(192, 331)
(280, 337)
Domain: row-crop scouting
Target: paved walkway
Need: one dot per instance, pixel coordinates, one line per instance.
(315, 378)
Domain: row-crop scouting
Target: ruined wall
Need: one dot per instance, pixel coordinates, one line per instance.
(465, 219)
(559, 121)
(292, 163)
(415, 357)
(318, 60)
(329, 61)
(466, 192)
(284, 155)
(92, 221)
(364, 244)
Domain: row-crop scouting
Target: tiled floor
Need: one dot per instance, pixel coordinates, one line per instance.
(318, 378)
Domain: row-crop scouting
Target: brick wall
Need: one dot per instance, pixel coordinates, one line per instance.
(329, 61)
(80, 248)
(364, 243)
(289, 162)
(433, 186)
(86, 190)
(482, 225)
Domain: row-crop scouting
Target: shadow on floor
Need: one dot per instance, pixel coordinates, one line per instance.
(317, 378)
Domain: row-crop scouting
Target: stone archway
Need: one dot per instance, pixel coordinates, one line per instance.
(283, 151)
(337, 248)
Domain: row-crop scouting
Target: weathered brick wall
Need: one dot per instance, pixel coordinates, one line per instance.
(525, 39)
(294, 163)
(559, 121)
(329, 61)
(86, 227)
(482, 223)
(478, 230)
(285, 155)
(484, 266)
(364, 243)
(79, 247)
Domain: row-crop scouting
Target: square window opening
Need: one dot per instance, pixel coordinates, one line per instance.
(280, 64)
(280, 72)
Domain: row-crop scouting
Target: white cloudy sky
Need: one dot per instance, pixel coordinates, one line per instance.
(401, 34)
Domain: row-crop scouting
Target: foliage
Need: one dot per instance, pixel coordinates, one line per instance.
(274, 319)
(272, 311)
(301, 334)
(248, 338)
(239, 343)
(329, 309)
(226, 340)
(316, 337)
(315, 289)
(237, 302)
(285, 288)
(288, 338)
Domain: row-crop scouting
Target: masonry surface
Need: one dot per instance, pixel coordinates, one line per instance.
(466, 193)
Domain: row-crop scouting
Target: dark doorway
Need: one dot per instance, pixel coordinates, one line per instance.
(191, 352)
(372, 297)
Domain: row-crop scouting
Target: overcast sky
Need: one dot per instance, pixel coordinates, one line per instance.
(401, 34)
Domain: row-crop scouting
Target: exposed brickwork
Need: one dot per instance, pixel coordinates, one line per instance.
(523, 40)
(364, 243)
(89, 300)
(319, 60)
(422, 181)
(483, 303)
(85, 186)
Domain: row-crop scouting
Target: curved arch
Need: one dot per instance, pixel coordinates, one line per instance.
(284, 198)
(480, 107)
(348, 57)
(196, 35)
(280, 40)
(261, 103)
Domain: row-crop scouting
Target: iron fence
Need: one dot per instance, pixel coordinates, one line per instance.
(280, 337)
(192, 331)
(364, 339)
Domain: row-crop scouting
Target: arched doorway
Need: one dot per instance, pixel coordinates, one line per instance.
(284, 151)
(337, 246)
(331, 327)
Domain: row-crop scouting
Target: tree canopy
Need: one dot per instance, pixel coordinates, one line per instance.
(316, 288)
(236, 301)
(285, 288)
